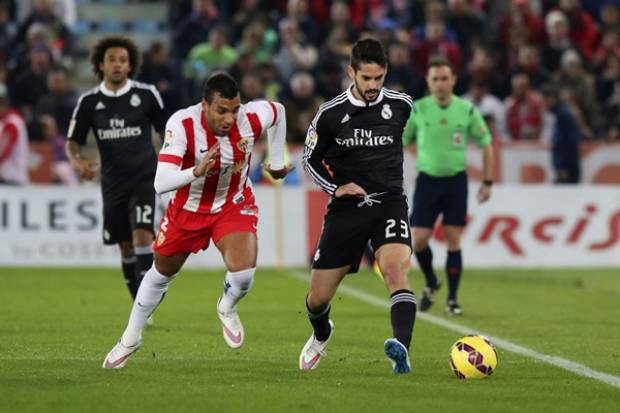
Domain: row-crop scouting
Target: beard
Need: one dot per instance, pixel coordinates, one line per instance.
(364, 94)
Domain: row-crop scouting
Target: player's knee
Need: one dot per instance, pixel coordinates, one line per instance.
(316, 302)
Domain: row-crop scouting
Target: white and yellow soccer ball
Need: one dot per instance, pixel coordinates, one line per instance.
(473, 357)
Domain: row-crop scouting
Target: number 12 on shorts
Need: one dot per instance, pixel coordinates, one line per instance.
(390, 231)
(143, 214)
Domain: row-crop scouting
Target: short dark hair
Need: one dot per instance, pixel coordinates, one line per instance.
(438, 61)
(221, 83)
(98, 53)
(368, 51)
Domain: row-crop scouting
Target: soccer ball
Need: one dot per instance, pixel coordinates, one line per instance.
(473, 357)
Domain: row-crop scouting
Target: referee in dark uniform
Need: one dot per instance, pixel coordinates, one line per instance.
(358, 135)
(121, 113)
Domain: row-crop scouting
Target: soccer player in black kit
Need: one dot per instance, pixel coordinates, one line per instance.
(121, 112)
(357, 135)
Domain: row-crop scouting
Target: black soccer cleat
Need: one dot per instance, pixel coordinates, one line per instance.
(453, 308)
(428, 297)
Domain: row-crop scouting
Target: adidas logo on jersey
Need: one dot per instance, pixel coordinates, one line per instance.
(345, 119)
(100, 106)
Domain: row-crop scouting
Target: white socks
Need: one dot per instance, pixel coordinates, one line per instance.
(151, 293)
(236, 286)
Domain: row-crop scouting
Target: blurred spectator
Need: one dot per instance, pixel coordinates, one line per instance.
(565, 139)
(436, 43)
(270, 78)
(13, 144)
(401, 75)
(195, 28)
(528, 61)
(482, 67)
(434, 12)
(258, 40)
(609, 46)
(524, 110)
(58, 102)
(489, 106)
(610, 16)
(251, 87)
(339, 16)
(558, 42)
(29, 85)
(158, 70)
(295, 54)
(8, 29)
(573, 77)
(609, 76)
(520, 19)
(612, 115)
(301, 106)
(246, 12)
(61, 168)
(43, 13)
(467, 22)
(583, 32)
(299, 11)
(216, 54)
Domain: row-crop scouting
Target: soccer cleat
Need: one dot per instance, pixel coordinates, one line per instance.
(118, 356)
(232, 329)
(452, 308)
(428, 296)
(313, 350)
(398, 355)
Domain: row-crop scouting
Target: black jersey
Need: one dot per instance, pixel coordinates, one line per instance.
(121, 122)
(358, 142)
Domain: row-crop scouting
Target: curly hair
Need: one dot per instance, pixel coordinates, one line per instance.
(98, 52)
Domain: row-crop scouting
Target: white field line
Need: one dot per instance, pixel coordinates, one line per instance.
(562, 363)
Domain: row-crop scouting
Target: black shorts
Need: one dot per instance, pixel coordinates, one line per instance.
(348, 226)
(135, 211)
(439, 195)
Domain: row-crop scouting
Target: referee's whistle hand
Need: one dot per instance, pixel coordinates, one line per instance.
(484, 193)
(350, 189)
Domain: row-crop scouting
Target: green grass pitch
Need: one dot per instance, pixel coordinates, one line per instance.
(56, 325)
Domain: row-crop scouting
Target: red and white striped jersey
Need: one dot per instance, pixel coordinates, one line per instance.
(187, 141)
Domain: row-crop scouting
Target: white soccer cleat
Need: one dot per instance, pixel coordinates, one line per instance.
(313, 351)
(118, 356)
(232, 329)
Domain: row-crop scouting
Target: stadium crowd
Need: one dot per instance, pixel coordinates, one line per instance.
(508, 55)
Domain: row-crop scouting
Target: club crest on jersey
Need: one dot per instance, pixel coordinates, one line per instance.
(243, 145)
(135, 100)
(386, 111)
(457, 139)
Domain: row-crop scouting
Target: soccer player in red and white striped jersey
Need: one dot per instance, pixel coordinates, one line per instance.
(205, 160)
